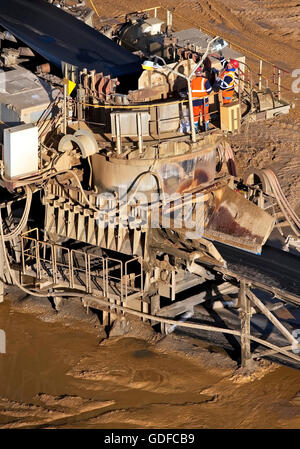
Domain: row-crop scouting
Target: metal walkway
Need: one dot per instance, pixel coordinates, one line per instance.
(55, 266)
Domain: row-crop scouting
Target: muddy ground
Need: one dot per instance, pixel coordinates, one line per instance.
(61, 371)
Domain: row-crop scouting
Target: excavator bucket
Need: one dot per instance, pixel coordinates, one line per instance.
(233, 220)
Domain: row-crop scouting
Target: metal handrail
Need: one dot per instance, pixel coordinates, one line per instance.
(92, 256)
(82, 253)
(140, 260)
(55, 265)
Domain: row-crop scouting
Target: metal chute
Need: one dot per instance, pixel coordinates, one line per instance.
(235, 221)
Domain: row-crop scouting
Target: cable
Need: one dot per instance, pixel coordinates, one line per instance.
(80, 187)
(134, 312)
(283, 203)
(19, 228)
(94, 7)
(138, 180)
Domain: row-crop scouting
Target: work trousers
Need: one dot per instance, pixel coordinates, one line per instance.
(201, 106)
(227, 96)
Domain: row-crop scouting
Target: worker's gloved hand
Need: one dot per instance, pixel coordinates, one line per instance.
(216, 85)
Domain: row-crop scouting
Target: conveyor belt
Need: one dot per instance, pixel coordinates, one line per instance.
(60, 37)
(274, 268)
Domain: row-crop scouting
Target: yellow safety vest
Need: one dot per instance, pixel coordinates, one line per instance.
(231, 84)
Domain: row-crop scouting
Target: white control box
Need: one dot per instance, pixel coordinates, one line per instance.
(20, 150)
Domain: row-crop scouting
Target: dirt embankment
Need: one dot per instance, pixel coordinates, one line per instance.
(274, 144)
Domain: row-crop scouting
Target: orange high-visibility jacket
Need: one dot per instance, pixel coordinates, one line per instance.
(200, 87)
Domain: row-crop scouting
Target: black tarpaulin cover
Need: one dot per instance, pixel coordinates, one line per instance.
(60, 37)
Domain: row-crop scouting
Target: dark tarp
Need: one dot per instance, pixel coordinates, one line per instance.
(60, 37)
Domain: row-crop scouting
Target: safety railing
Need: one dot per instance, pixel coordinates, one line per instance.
(114, 277)
(152, 11)
(132, 280)
(96, 273)
(157, 123)
(79, 270)
(32, 246)
(271, 76)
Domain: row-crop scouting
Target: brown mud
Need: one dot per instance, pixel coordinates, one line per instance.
(60, 371)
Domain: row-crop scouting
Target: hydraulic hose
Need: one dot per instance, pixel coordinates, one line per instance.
(21, 225)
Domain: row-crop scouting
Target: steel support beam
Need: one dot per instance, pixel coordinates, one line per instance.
(154, 307)
(1, 274)
(271, 317)
(245, 315)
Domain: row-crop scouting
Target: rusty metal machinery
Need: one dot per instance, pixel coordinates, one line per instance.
(125, 209)
(78, 9)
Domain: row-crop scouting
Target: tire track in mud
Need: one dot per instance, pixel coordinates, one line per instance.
(93, 414)
(49, 411)
(227, 21)
(129, 415)
(274, 21)
(241, 31)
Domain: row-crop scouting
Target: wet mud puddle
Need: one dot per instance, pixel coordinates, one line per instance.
(56, 376)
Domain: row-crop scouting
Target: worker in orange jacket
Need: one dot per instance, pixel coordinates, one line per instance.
(201, 89)
(227, 77)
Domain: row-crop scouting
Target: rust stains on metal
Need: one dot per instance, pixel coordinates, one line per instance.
(223, 221)
(201, 176)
